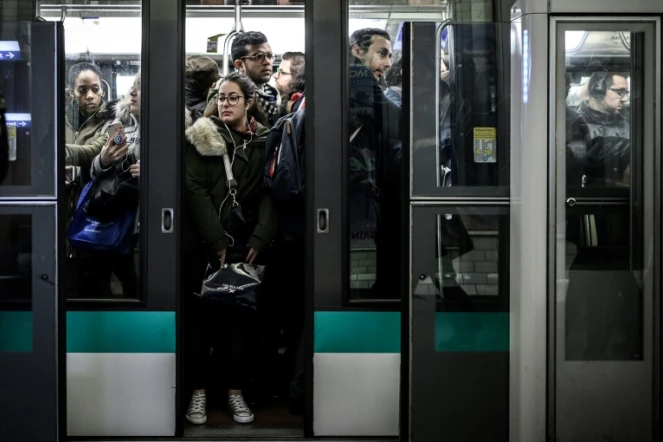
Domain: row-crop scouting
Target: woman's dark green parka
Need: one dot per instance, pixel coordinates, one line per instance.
(206, 183)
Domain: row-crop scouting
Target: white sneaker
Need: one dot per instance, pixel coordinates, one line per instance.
(197, 413)
(241, 412)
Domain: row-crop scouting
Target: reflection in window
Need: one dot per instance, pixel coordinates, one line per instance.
(603, 308)
(467, 262)
(469, 149)
(102, 136)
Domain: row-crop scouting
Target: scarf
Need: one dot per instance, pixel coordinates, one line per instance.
(250, 130)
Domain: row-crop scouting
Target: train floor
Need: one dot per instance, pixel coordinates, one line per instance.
(272, 420)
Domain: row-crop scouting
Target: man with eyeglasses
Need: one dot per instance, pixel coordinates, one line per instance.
(292, 65)
(605, 112)
(252, 56)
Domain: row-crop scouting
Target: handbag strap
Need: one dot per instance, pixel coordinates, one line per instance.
(231, 182)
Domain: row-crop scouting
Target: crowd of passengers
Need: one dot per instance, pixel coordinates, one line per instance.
(234, 115)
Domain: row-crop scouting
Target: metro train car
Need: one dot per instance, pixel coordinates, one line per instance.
(493, 274)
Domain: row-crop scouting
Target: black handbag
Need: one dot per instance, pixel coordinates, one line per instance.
(233, 286)
(115, 192)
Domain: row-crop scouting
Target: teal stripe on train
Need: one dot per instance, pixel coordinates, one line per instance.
(121, 332)
(379, 332)
(15, 332)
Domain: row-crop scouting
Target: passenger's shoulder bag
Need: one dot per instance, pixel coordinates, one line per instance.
(111, 236)
(115, 192)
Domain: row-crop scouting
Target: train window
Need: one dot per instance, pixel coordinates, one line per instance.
(103, 146)
(603, 253)
(466, 271)
(467, 104)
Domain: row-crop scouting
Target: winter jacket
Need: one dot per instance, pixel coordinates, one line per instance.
(206, 188)
(121, 113)
(375, 152)
(84, 138)
(375, 175)
(592, 134)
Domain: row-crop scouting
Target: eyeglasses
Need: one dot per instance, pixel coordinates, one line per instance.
(232, 99)
(260, 57)
(279, 72)
(621, 92)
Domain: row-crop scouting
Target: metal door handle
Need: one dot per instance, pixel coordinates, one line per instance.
(323, 220)
(571, 202)
(166, 220)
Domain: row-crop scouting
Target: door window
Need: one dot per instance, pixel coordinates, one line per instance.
(102, 100)
(605, 235)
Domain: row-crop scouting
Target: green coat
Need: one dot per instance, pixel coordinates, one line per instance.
(83, 142)
(83, 138)
(205, 183)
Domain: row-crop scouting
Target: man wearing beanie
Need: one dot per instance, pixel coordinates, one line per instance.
(201, 74)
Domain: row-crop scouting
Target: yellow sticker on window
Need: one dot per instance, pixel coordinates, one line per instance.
(485, 145)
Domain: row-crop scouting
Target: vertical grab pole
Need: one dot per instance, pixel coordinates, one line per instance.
(238, 27)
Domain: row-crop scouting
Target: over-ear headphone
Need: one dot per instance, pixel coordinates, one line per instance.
(597, 87)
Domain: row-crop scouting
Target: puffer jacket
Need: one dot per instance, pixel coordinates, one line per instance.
(206, 188)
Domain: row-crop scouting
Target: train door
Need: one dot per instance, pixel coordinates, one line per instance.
(31, 310)
(435, 259)
(606, 216)
(119, 61)
(458, 213)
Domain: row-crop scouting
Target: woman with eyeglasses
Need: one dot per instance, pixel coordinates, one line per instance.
(209, 203)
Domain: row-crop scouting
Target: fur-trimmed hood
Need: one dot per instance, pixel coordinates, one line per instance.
(210, 137)
(207, 139)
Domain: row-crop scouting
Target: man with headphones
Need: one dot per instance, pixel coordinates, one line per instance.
(605, 111)
(599, 132)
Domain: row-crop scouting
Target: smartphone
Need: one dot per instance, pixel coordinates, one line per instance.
(71, 173)
(116, 133)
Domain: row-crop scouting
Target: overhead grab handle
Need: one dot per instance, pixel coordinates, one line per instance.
(238, 27)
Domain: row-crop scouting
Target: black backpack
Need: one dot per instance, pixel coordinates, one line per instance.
(285, 165)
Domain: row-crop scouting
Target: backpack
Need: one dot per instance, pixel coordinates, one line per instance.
(285, 165)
